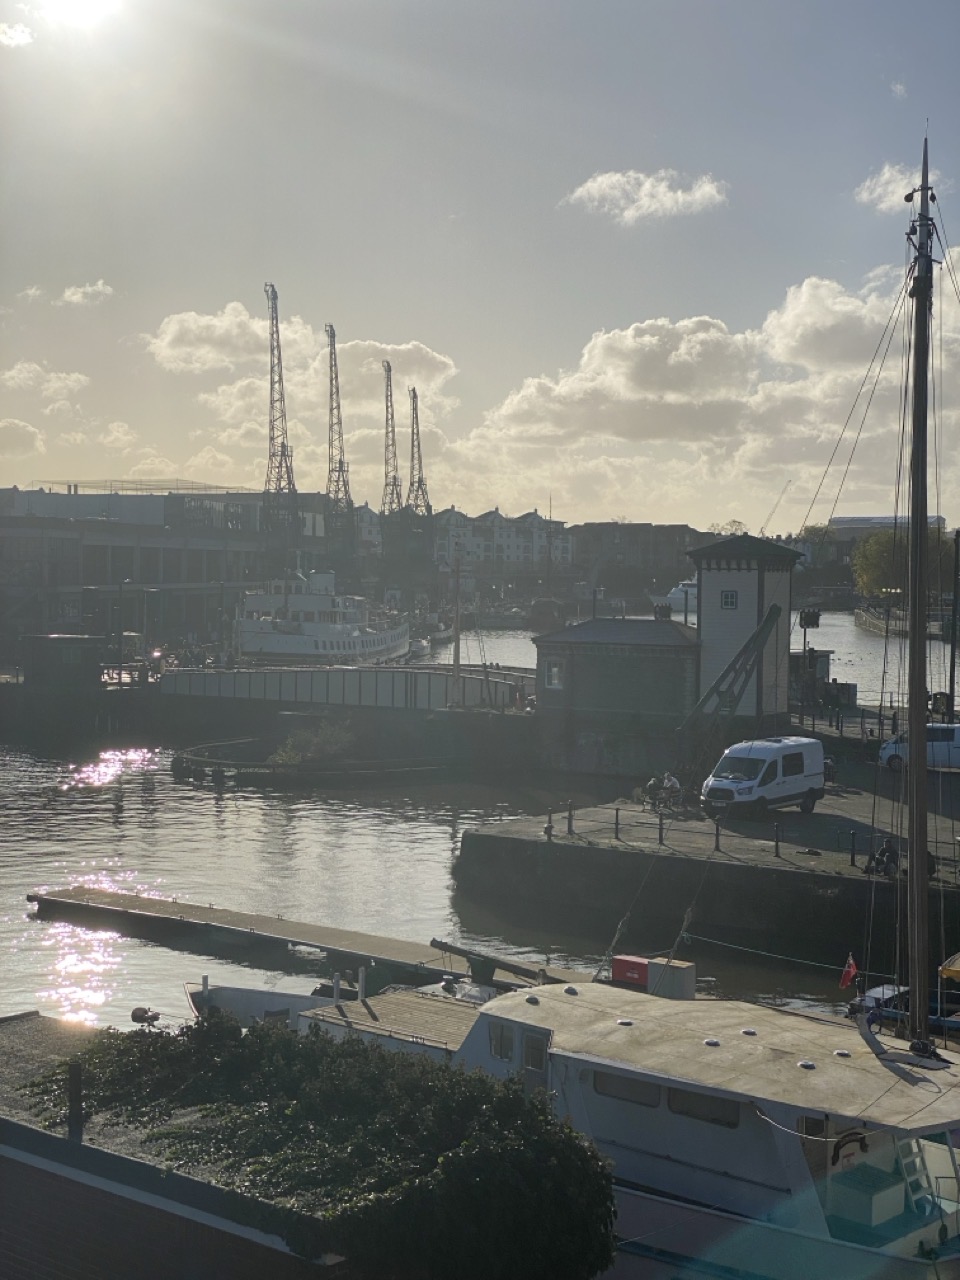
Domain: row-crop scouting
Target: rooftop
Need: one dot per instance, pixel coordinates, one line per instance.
(406, 1015)
(631, 631)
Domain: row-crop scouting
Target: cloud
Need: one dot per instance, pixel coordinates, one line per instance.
(629, 196)
(118, 435)
(56, 386)
(25, 375)
(886, 190)
(19, 440)
(210, 463)
(152, 466)
(72, 438)
(31, 294)
(15, 35)
(898, 89)
(84, 295)
(59, 409)
(189, 342)
(689, 416)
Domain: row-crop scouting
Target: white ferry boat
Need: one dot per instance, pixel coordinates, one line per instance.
(682, 599)
(301, 620)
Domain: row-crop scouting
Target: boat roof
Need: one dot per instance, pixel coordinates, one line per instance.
(418, 1016)
(672, 1041)
(624, 631)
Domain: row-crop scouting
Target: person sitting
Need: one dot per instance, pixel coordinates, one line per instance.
(670, 787)
(884, 861)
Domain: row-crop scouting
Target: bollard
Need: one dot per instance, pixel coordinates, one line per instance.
(813, 720)
(616, 824)
(776, 839)
(569, 817)
(660, 827)
(863, 725)
(716, 835)
(840, 723)
(853, 848)
(74, 1101)
(548, 829)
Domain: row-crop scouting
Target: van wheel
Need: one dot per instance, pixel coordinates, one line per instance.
(895, 764)
(807, 804)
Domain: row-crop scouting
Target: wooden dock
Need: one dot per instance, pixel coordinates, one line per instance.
(212, 930)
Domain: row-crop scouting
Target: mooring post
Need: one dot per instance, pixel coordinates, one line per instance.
(74, 1101)
(569, 817)
(840, 723)
(853, 848)
(813, 720)
(716, 835)
(616, 824)
(548, 829)
(776, 839)
(660, 827)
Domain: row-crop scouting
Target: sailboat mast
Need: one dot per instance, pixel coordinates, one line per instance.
(917, 884)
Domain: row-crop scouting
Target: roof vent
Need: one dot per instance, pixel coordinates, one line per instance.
(624, 1022)
(807, 1064)
(533, 999)
(712, 1043)
(748, 1031)
(569, 991)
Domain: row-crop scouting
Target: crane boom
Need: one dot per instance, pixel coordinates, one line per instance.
(417, 498)
(392, 500)
(280, 508)
(338, 481)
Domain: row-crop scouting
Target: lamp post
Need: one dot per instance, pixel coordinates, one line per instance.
(123, 582)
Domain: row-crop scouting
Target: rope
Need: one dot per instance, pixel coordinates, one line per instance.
(770, 955)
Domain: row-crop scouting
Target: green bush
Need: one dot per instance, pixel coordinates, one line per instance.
(412, 1169)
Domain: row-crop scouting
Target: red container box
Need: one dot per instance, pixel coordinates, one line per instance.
(630, 969)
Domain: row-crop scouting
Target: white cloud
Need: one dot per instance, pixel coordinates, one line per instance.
(15, 35)
(19, 440)
(31, 293)
(189, 342)
(59, 409)
(898, 89)
(629, 196)
(72, 438)
(118, 435)
(56, 386)
(886, 189)
(152, 466)
(25, 375)
(210, 465)
(84, 295)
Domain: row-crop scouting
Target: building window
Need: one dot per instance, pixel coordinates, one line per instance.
(553, 678)
(704, 1106)
(535, 1052)
(728, 599)
(628, 1088)
(501, 1041)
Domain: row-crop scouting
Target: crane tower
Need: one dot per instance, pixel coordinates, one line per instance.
(417, 499)
(392, 500)
(338, 481)
(280, 506)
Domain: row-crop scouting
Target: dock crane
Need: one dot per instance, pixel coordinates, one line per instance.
(280, 504)
(417, 498)
(392, 500)
(773, 509)
(338, 480)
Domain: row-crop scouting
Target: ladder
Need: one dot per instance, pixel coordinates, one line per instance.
(916, 1175)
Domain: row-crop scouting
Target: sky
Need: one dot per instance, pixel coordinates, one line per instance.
(635, 255)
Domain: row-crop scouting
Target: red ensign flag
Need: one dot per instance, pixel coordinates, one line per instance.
(849, 971)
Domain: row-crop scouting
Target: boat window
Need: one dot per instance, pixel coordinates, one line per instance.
(704, 1106)
(629, 1088)
(501, 1041)
(793, 764)
(739, 768)
(535, 1052)
(728, 599)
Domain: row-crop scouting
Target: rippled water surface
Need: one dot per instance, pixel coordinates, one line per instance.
(374, 860)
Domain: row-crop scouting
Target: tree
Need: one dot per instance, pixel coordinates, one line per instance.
(880, 562)
(729, 529)
(411, 1169)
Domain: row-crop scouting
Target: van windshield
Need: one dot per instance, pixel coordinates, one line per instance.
(739, 768)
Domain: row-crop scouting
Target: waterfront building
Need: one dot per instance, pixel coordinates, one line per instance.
(496, 545)
(629, 557)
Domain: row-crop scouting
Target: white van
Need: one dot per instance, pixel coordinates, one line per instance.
(943, 748)
(765, 773)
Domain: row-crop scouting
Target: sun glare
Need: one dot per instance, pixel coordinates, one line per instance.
(78, 13)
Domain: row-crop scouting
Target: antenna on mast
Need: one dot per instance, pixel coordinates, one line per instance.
(280, 505)
(417, 498)
(392, 500)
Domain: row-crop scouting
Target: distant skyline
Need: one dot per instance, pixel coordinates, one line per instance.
(635, 256)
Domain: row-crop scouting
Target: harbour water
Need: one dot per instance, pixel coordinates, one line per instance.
(378, 861)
